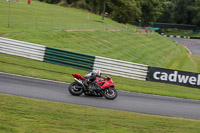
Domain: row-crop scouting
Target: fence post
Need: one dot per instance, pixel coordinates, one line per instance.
(36, 24)
(51, 25)
(14, 22)
(9, 14)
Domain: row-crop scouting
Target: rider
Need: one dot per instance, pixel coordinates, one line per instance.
(91, 77)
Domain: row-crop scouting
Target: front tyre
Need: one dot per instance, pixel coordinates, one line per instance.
(110, 93)
(75, 90)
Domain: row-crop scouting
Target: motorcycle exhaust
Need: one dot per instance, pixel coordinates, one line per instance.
(79, 82)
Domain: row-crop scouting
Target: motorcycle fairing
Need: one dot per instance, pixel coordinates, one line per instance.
(106, 84)
(78, 76)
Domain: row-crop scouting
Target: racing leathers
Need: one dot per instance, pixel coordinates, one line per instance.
(90, 78)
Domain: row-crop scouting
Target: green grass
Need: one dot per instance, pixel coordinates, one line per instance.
(28, 115)
(40, 16)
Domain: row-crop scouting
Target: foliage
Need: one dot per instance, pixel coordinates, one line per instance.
(151, 9)
(181, 12)
(166, 16)
(126, 11)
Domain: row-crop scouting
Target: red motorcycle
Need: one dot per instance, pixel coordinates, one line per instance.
(101, 87)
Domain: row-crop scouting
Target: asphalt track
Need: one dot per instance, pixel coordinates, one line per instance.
(126, 101)
(192, 45)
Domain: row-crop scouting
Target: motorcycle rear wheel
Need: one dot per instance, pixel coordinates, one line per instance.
(110, 93)
(75, 91)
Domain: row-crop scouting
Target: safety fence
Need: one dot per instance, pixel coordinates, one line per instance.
(178, 26)
(184, 37)
(107, 65)
(23, 49)
(121, 68)
(69, 58)
(50, 26)
(173, 36)
(168, 25)
(73, 59)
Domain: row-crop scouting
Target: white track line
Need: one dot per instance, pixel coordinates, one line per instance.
(187, 49)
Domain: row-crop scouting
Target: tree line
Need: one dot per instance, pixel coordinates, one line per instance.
(146, 11)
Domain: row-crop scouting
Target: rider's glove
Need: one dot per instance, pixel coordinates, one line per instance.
(105, 78)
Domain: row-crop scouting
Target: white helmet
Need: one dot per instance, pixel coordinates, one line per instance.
(97, 72)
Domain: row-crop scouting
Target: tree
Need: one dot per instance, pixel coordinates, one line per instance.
(187, 12)
(196, 11)
(151, 10)
(96, 6)
(166, 15)
(104, 8)
(124, 11)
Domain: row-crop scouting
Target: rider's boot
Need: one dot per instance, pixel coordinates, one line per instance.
(90, 88)
(85, 83)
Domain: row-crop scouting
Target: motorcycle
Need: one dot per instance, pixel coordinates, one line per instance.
(101, 87)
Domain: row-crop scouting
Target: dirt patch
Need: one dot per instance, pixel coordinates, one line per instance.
(17, 1)
(192, 60)
(4, 35)
(88, 30)
(82, 30)
(112, 30)
(142, 33)
(103, 30)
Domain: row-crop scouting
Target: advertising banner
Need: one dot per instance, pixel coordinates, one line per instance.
(170, 76)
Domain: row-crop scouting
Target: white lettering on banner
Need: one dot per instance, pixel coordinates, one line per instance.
(193, 80)
(183, 78)
(198, 83)
(155, 75)
(164, 76)
(175, 77)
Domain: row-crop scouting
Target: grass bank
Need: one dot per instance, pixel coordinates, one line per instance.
(152, 49)
(21, 17)
(28, 115)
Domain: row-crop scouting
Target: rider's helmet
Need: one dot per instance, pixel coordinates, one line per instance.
(97, 72)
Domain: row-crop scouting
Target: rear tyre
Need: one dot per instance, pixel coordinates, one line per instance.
(110, 93)
(74, 90)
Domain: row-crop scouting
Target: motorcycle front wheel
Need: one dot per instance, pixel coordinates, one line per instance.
(110, 93)
(74, 90)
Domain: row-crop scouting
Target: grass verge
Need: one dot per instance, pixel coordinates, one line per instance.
(20, 114)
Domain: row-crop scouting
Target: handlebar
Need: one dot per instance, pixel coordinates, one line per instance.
(106, 78)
